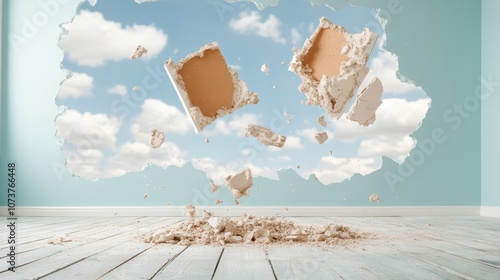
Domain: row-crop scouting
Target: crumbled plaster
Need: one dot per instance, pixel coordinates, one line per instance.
(321, 137)
(157, 138)
(265, 135)
(240, 184)
(139, 52)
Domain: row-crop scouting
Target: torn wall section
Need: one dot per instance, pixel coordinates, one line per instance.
(367, 103)
(207, 87)
(332, 65)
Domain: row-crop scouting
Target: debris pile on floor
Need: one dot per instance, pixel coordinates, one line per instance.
(248, 229)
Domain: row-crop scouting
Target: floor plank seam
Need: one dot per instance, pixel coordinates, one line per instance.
(127, 260)
(167, 263)
(217, 264)
(462, 257)
(271, 264)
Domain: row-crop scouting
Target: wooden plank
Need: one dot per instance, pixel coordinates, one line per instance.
(96, 265)
(146, 264)
(243, 263)
(196, 262)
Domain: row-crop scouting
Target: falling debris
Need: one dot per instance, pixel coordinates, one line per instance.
(286, 209)
(116, 213)
(345, 199)
(190, 211)
(145, 196)
(136, 88)
(214, 187)
(168, 203)
(264, 68)
(374, 197)
(247, 229)
(218, 201)
(265, 135)
(282, 63)
(298, 166)
(321, 121)
(367, 103)
(287, 116)
(207, 87)
(321, 137)
(332, 65)
(331, 152)
(207, 141)
(240, 184)
(157, 138)
(139, 51)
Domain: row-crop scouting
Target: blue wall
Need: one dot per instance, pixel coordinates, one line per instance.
(490, 131)
(445, 62)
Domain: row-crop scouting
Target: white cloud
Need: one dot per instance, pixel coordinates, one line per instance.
(78, 85)
(334, 170)
(236, 126)
(311, 28)
(396, 117)
(296, 38)
(252, 23)
(87, 131)
(84, 162)
(118, 90)
(385, 65)
(396, 148)
(155, 114)
(92, 40)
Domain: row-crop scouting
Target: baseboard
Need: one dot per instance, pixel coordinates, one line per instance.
(490, 211)
(293, 211)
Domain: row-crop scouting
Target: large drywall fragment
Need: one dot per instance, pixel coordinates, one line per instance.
(157, 138)
(207, 87)
(367, 103)
(240, 183)
(266, 136)
(332, 65)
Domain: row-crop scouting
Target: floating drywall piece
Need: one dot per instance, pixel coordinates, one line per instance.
(207, 87)
(266, 136)
(332, 65)
(367, 103)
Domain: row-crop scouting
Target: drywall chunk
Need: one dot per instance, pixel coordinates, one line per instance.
(207, 87)
(367, 103)
(218, 201)
(240, 183)
(264, 68)
(190, 211)
(157, 138)
(214, 187)
(332, 65)
(139, 51)
(374, 197)
(266, 136)
(321, 121)
(321, 137)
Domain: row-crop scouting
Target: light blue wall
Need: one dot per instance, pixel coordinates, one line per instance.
(490, 129)
(444, 61)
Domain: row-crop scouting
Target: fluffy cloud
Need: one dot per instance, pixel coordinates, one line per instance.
(296, 38)
(236, 126)
(92, 40)
(252, 23)
(397, 148)
(292, 143)
(78, 85)
(396, 117)
(385, 66)
(118, 90)
(334, 170)
(87, 131)
(84, 162)
(155, 114)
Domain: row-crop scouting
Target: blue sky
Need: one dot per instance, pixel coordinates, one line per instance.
(106, 123)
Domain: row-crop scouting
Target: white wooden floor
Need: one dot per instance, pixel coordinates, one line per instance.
(108, 248)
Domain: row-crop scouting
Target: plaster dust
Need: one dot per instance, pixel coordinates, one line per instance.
(207, 87)
(240, 184)
(367, 103)
(321, 137)
(139, 51)
(332, 65)
(59, 241)
(157, 138)
(265, 135)
(248, 229)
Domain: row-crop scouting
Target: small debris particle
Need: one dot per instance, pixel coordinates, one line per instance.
(145, 196)
(264, 68)
(374, 197)
(218, 201)
(136, 88)
(139, 51)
